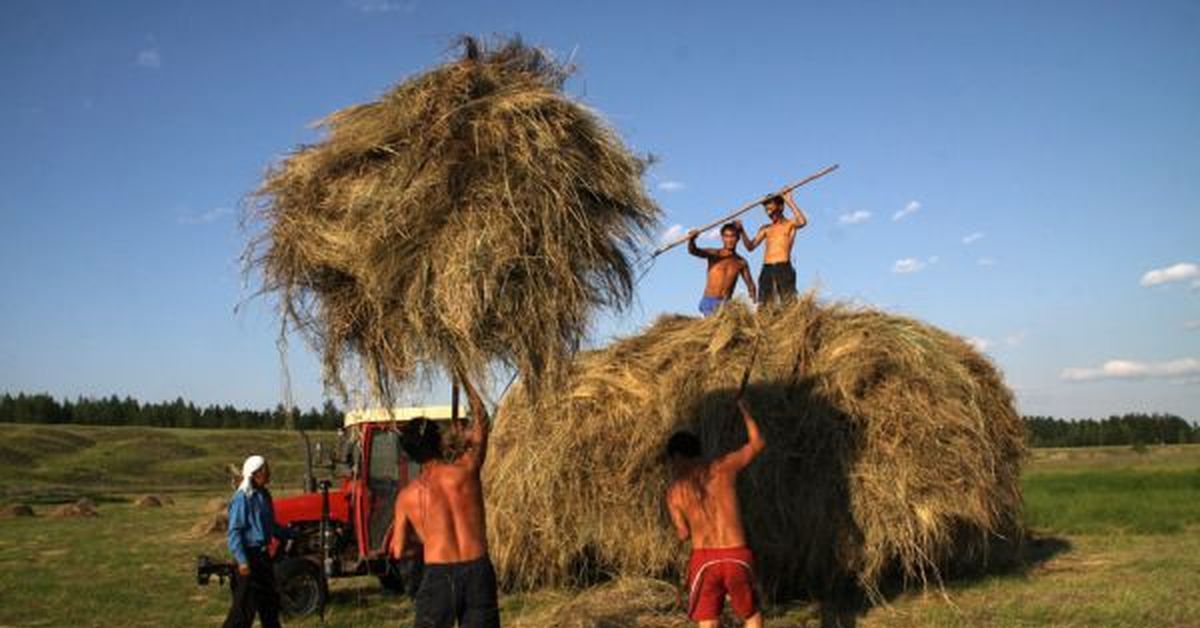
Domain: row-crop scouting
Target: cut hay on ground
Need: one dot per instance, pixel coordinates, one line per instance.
(13, 511)
(473, 215)
(148, 501)
(210, 523)
(216, 505)
(893, 448)
(622, 603)
(82, 508)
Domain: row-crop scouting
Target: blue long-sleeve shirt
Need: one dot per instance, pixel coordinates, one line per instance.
(252, 523)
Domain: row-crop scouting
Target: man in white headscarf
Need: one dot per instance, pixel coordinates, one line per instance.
(251, 527)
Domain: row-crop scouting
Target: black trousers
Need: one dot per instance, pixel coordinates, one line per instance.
(776, 282)
(462, 594)
(254, 594)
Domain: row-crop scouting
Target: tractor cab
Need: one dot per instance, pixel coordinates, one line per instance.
(344, 523)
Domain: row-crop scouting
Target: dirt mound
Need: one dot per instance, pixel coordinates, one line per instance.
(16, 510)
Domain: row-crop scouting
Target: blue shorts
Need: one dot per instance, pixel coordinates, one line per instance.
(709, 305)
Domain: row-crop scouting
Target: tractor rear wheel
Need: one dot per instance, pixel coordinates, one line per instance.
(302, 590)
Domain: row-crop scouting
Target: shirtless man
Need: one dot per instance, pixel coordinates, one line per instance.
(777, 278)
(724, 268)
(444, 508)
(703, 503)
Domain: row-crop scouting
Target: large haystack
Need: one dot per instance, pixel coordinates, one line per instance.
(894, 448)
(473, 215)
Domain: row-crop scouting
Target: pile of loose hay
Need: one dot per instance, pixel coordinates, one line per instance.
(623, 603)
(16, 510)
(210, 523)
(473, 215)
(893, 449)
(84, 507)
(148, 501)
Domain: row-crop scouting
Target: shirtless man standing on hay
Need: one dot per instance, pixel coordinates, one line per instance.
(724, 268)
(703, 503)
(444, 507)
(777, 280)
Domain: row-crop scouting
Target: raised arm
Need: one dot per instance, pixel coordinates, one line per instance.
(478, 434)
(800, 219)
(740, 458)
(750, 287)
(695, 250)
(752, 244)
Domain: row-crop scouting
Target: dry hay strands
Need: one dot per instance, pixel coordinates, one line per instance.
(84, 507)
(149, 501)
(893, 449)
(632, 602)
(13, 511)
(472, 216)
(210, 524)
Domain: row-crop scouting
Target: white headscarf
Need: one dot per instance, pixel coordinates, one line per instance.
(252, 464)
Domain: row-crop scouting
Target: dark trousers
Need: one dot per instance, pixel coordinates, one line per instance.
(462, 594)
(776, 283)
(254, 594)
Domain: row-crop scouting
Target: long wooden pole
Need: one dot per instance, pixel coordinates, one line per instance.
(743, 209)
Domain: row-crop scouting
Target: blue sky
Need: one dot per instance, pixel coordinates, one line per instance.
(1048, 155)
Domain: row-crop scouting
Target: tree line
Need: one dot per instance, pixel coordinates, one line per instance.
(45, 409)
(1041, 431)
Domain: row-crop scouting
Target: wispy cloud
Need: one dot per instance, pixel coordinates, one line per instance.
(204, 218)
(1182, 271)
(855, 217)
(909, 209)
(1016, 338)
(908, 265)
(972, 238)
(980, 344)
(1192, 324)
(383, 6)
(149, 58)
(671, 186)
(1131, 370)
(986, 261)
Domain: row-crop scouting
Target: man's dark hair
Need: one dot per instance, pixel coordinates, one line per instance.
(729, 226)
(683, 444)
(776, 200)
(421, 440)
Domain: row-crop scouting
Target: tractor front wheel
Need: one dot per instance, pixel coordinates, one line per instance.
(302, 590)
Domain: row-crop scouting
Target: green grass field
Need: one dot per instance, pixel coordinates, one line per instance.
(1124, 528)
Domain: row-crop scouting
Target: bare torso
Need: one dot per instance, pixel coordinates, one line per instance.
(444, 506)
(779, 237)
(723, 270)
(706, 497)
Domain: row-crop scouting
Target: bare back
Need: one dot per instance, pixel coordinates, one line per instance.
(444, 506)
(706, 498)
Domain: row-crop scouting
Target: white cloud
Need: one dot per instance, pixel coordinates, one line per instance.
(974, 237)
(1129, 369)
(854, 217)
(204, 218)
(907, 265)
(980, 344)
(1015, 338)
(1192, 324)
(713, 234)
(1178, 272)
(671, 186)
(149, 58)
(910, 208)
(986, 261)
(383, 6)
(672, 233)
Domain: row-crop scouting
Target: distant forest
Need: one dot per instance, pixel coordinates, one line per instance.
(1043, 431)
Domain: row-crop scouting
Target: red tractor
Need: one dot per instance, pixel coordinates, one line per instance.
(345, 530)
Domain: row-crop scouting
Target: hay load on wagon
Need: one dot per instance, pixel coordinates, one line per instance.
(893, 449)
(474, 215)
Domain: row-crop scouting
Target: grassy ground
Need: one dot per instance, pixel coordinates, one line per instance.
(1120, 532)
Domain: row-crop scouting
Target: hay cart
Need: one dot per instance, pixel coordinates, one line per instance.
(344, 524)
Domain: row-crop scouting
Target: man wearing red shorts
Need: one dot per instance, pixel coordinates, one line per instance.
(703, 503)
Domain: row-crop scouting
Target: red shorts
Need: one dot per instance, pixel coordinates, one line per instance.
(715, 573)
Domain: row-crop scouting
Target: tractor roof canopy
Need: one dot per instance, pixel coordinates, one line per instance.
(395, 415)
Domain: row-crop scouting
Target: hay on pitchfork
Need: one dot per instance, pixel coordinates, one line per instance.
(474, 215)
(893, 449)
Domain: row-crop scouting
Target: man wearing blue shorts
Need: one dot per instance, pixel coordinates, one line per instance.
(724, 268)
